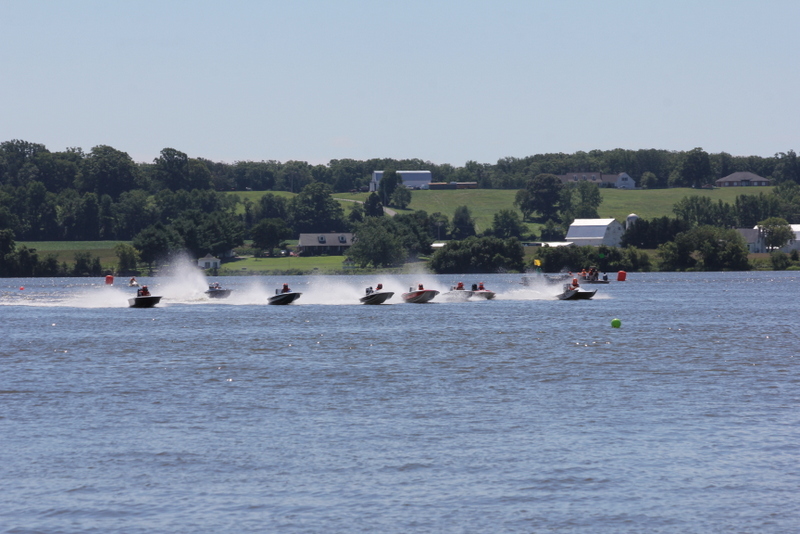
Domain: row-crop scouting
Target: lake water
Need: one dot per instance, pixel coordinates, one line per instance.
(520, 414)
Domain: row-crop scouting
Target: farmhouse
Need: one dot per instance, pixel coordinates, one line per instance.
(618, 181)
(742, 179)
(411, 179)
(332, 243)
(595, 232)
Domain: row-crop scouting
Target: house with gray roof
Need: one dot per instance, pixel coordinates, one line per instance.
(742, 179)
(332, 243)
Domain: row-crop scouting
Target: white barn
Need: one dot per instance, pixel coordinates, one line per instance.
(595, 232)
(411, 179)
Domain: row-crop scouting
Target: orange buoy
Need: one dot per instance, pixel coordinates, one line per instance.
(109, 280)
(621, 276)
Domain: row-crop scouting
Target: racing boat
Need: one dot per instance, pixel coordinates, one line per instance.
(481, 292)
(376, 297)
(458, 293)
(419, 295)
(147, 301)
(575, 293)
(216, 292)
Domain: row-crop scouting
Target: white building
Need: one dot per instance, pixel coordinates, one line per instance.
(208, 262)
(595, 232)
(411, 179)
(756, 243)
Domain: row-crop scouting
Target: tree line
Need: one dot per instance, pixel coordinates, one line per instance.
(174, 203)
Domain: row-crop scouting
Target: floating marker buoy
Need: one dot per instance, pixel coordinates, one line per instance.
(616, 323)
(21, 288)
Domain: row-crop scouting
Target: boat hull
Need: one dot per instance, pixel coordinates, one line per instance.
(284, 298)
(576, 294)
(143, 302)
(420, 296)
(483, 294)
(219, 293)
(378, 297)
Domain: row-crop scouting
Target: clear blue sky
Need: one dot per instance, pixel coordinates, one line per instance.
(445, 81)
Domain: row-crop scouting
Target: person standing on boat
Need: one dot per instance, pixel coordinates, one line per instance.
(286, 289)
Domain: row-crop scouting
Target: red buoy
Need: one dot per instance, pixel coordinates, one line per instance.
(621, 276)
(109, 280)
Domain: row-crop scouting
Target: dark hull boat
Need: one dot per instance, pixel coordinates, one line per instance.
(378, 297)
(218, 293)
(284, 298)
(143, 302)
(576, 294)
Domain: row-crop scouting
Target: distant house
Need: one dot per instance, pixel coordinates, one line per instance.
(595, 232)
(618, 181)
(331, 243)
(754, 239)
(742, 179)
(411, 179)
(208, 262)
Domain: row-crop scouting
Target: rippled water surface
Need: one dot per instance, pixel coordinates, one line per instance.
(521, 414)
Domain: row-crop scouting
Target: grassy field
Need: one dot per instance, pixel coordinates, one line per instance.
(617, 203)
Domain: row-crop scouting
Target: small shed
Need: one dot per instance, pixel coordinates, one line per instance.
(208, 262)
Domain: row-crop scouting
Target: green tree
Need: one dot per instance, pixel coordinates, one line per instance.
(507, 223)
(107, 171)
(543, 195)
(588, 200)
(294, 176)
(172, 170)
(553, 231)
(271, 206)
(705, 248)
(463, 224)
(376, 243)
(478, 255)
(648, 181)
(373, 206)
(386, 187)
(695, 169)
(777, 232)
(156, 243)
(401, 197)
(269, 233)
(128, 258)
(315, 210)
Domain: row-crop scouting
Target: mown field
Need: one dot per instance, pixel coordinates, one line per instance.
(617, 203)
